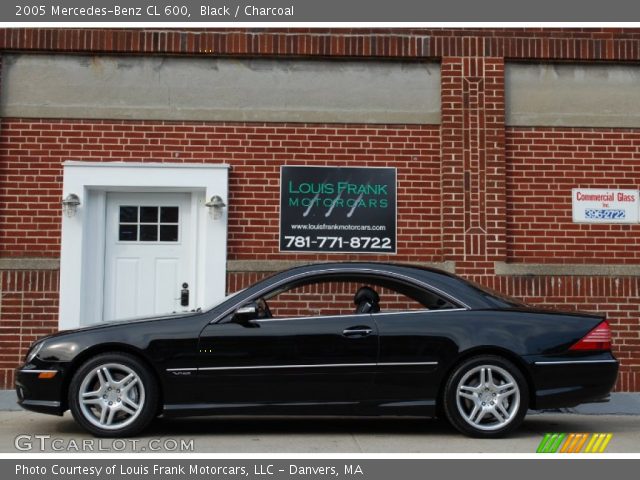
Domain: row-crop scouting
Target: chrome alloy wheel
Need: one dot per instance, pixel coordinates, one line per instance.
(488, 397)
(111, 396)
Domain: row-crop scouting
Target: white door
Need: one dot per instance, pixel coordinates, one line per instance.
(147, 254)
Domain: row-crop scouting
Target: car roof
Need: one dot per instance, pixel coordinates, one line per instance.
(439, 280)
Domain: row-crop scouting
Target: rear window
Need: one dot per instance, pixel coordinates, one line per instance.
(498, 298)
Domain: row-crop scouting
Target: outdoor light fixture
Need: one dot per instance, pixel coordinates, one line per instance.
(70, 204)
(215, 206)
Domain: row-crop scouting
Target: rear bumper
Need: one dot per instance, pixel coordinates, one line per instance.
(567, 382)
(37, 394)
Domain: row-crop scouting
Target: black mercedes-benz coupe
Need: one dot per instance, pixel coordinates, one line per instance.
(336, 339)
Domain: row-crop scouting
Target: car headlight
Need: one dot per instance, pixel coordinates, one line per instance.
(33, 351)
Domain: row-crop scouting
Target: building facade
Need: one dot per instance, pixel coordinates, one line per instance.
(488, 130)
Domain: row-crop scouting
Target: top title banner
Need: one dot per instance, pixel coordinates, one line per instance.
(306, 11)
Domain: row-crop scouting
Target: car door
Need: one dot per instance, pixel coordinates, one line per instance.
(415, 349)
(317, 360)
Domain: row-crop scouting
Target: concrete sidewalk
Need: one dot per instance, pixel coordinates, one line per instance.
(8, 401)
(620, 404)
(28, 432)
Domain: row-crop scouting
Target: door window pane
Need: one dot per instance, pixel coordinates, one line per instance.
(148, 223)
(149, 214)
(128, 214)
(128, 233)
(148, 233)
(168, 214)
(168, 233)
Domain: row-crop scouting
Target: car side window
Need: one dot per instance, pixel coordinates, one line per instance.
(349, 297)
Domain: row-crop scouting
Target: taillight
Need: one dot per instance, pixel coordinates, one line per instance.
(597, 339)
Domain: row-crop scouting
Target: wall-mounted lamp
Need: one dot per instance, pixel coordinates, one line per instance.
(70, 204)
(215, 206)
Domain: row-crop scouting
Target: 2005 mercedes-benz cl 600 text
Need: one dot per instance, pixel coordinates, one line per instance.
(336, 339)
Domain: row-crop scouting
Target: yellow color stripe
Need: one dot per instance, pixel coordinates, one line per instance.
(568, 444)
(591, 442)
(596, 445)
(581, 442)
(606, 441)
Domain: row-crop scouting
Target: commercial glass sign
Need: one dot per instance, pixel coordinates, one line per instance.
(338, 209)
(599, 205)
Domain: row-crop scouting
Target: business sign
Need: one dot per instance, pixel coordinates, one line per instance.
(597, 205)
(338, 209)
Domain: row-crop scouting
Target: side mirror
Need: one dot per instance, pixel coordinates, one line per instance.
(246, 313)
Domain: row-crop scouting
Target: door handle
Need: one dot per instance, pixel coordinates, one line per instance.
(184, 295)
(360, 331)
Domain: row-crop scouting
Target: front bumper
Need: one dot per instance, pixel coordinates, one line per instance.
(43, 395)
(563, 382)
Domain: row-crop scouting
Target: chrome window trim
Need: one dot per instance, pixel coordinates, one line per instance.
(321, 365)
(349, 315)
(335, 270)
(356, 315)
(444, 310)
(571, 362)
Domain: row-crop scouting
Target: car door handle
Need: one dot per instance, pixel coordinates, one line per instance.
(360, 331)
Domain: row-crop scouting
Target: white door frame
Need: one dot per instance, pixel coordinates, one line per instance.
(83, 235)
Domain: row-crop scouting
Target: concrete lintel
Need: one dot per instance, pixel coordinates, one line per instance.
(279, 265)
(503, 268)
(572, 95)
(29, 263)
(220, 89)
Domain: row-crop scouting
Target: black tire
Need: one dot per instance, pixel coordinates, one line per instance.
(133, 385)
(476, 410)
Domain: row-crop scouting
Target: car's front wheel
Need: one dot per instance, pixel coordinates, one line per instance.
(113, 395)
(486, 396)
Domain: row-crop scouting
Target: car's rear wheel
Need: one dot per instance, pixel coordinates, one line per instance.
(113, 395)
(486, 396)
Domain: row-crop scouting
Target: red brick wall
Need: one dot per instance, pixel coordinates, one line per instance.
(519, 43)
(32, 151)
(473, 162)
(28, 310)
(255, 179)
(543, 165)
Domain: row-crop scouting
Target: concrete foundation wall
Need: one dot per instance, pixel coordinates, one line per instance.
(572, 95)
(215, 89)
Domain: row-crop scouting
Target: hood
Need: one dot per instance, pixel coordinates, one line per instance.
(125, 321)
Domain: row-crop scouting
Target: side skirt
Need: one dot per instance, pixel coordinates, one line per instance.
(422, 408)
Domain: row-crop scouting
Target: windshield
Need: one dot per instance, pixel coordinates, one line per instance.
(222, 300)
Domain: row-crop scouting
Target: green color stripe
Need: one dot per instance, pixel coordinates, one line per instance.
(543, 443)
(550, 442)
(558, 442)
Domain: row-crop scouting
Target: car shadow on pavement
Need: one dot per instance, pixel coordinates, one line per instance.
(272, 426)
(317, 434)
